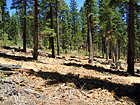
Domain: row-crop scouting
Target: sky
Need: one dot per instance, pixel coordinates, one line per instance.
(11, 11)
(79, 2)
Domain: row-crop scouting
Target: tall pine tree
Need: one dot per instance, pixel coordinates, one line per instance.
(35, 54)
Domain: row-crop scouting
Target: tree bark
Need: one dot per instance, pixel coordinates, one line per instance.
(117, 51)
(131, 40)
(24, 30)
(103, 46)
(52, 38)
(89, 34)
(107, 50)
(110, 49)
(57, 21)
(35, 55)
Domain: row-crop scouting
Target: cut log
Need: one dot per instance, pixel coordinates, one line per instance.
(29, 71)
(18, 49)
(8, 72)
(9, 67)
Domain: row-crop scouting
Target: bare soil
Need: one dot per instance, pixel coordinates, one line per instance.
(65, 80)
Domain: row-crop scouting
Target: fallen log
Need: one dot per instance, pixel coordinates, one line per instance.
(9, 67)
(29, 71)
(8, 72)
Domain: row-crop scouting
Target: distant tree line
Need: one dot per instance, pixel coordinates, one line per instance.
(108, 26)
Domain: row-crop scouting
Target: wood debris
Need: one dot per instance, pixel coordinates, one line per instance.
(65, 80)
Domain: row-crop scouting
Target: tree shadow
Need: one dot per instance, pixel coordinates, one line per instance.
(15, 48)
(99, 69)
(18, 58)
(89, 83)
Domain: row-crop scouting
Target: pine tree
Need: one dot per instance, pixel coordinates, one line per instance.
(24, 30)
(84, 26)
(131, 39)
(13, 29)
(57, 21)
(87, 3)
(74, 22)
(51, 26)
(131, 35)
(35, 54)
(2, 16)
(137, 30)
(43, 22)
(1, 22)
(65, 26)
(19, 4)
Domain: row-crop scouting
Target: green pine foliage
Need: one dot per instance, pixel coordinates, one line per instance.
(109, 19)
(13, 29)
(75, 35)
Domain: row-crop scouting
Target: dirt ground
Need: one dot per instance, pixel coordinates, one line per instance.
(65, 80)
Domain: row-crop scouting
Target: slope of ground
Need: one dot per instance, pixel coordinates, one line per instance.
(65, 80)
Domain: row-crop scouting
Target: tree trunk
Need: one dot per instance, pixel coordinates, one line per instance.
(35, 55)
(89, 35)
(124, 53)
(50, 42)
(52, 38)
(131, 40)
(117, 51)
(103, 46)
(110, 49)
(24, 30)
(57, 21)
(0, 15)
(107, 51)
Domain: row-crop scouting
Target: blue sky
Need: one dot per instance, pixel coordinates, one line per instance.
(79, 2)
(8, 2)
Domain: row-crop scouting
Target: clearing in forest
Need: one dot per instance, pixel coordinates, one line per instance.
(64, 80)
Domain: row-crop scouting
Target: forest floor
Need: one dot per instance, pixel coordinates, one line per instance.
(65, 80)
